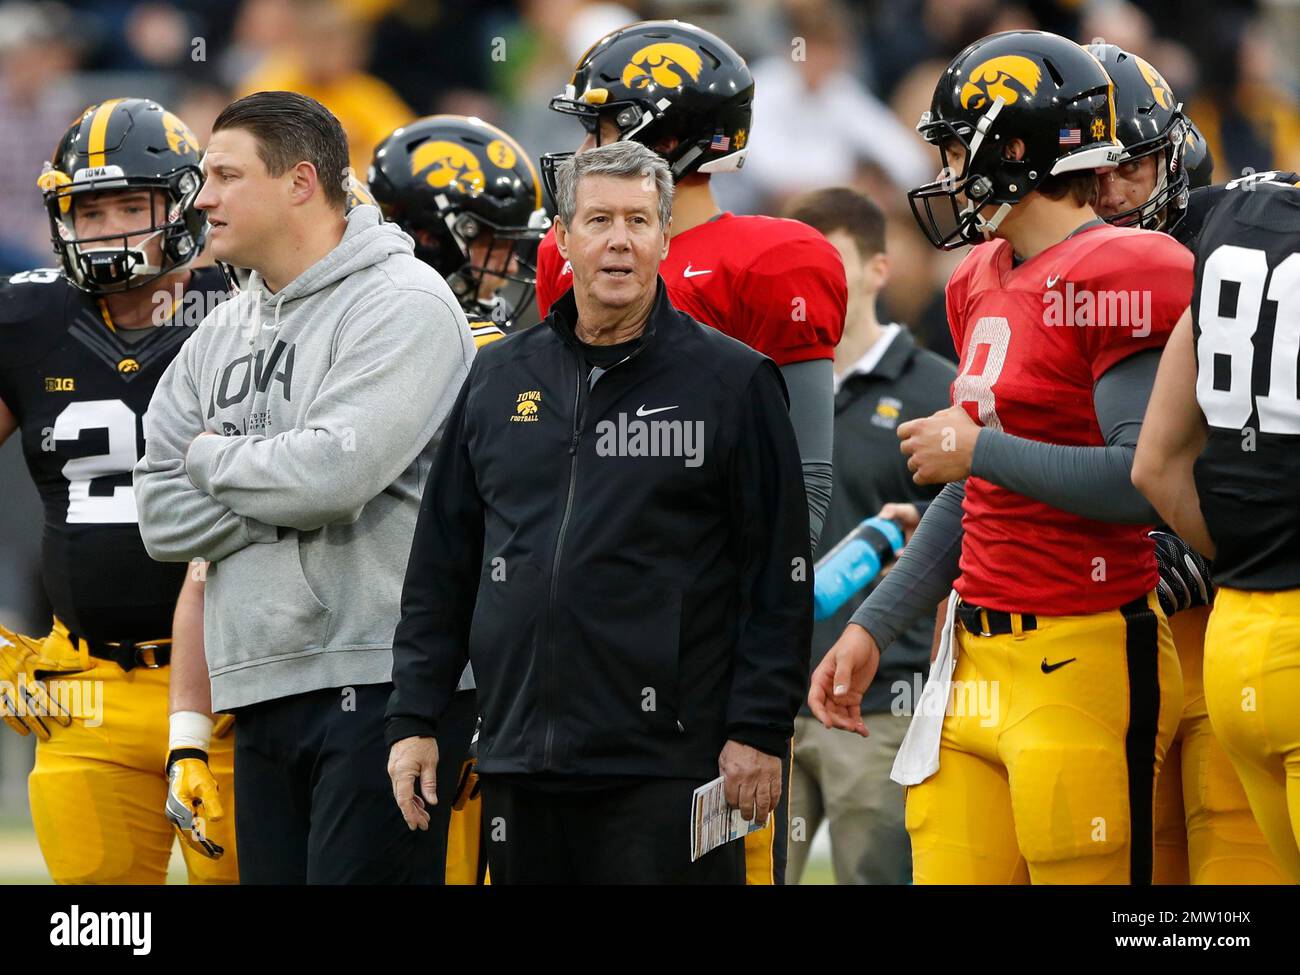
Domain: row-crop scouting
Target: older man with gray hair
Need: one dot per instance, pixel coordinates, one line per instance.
(615, 534)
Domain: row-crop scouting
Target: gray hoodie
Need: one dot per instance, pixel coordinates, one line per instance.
(325, 399)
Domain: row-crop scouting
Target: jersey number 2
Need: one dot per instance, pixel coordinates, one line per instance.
(119, 420)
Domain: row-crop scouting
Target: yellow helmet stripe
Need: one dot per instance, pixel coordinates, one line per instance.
(99, 130)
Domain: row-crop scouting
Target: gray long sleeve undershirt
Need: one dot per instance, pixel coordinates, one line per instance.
(1093, 482)
(811, 386)
(923, 574)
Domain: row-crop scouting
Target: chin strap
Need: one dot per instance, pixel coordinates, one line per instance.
(988, 227)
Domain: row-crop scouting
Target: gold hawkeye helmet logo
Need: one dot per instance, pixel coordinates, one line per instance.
(445, 163)
(179, 137)
(1006, 77)
(128, 365)
(665, 64)
(1159, 87)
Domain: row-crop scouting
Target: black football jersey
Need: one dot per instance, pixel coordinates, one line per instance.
(485, 332)
(1202, 201)
(80, 391)
(1246, 323)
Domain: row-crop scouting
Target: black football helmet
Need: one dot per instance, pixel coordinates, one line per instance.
(119, 144)
(664, 79)
(1198, 161)
(1029, 85)
(1148, 120)
(449, 181)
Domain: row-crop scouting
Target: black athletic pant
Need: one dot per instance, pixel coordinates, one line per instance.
(313, 800)
(638, 833)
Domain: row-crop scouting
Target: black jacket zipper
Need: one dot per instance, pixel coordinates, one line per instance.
(555, 563)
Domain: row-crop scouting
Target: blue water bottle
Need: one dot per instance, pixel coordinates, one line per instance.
(854, 563)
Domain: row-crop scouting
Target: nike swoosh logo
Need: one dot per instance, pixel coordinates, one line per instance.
(1052, 279)
(1048, 668)
(642, 411)
(688, 273)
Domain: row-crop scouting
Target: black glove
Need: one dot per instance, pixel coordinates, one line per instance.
(1184, 574)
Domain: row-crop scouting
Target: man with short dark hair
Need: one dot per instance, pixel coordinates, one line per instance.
(619, 543)
(288, 444)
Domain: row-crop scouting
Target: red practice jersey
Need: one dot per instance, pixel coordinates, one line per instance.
(1034, 339)
(777, 285)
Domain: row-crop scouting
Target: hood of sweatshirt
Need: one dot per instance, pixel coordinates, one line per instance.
(367, 240)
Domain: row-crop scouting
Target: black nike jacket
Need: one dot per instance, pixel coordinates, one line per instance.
(623, 556)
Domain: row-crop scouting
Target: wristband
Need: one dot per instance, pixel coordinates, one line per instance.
(189, 729)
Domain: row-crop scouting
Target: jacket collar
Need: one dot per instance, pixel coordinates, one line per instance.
(564, 316)
(892, 362)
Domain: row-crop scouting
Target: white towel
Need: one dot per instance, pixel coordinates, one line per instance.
(918, 756)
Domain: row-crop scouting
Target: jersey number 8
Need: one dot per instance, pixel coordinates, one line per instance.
(994, 333)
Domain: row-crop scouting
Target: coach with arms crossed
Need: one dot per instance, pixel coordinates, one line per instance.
(618, 542)
(324, 383)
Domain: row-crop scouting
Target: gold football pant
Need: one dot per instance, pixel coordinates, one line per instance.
(98, 790)
(466, 865)
(1050, 747)
(1252, 690)
(766, 848)
(1205, 831)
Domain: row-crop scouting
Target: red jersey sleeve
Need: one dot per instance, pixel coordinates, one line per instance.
(551, 281)
(792, 300)
(1138, 286)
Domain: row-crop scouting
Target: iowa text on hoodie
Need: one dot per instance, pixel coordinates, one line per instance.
(325, 400)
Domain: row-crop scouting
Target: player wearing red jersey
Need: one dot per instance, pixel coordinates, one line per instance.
(1058, 673)
(775, 284)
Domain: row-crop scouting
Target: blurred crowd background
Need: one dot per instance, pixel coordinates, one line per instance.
(839, 87)
(839, 83)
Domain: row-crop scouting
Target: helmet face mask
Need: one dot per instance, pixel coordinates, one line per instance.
(140, 147)
(1038, 88)
(954, 224)
(112, 262)
(1164, 207)
(499, 273)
